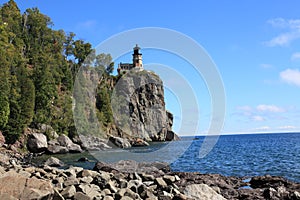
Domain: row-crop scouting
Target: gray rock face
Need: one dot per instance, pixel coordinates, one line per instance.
(63, 144)
(54, 162)
(16, 186)
(202, 191)
(139, 107)
(120, 142)
(37, 142)
(2, 139)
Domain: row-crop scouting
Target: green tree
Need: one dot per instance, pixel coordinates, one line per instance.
(103, 62)
(27, 96)
(4, 76)
(104, 106)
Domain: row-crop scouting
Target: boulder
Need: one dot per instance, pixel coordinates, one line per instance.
(202, 191)
(54, 162)
(65, 141)
(268, 181)
(139, 143)
(171, 136)
(93, 143)
(37, 143)
(17, 186)
(57, 149)
(119, 142)
(81, 196)
(101, 166)
(69, 192)
(2, 139)
(47, 130)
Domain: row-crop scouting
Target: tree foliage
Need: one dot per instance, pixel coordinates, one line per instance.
(38, 66)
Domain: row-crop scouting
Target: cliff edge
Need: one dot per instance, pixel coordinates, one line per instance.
(138, 104)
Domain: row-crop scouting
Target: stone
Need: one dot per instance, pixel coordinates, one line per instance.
(2, 139)
(169, 179)
(119, 142)
(86, 172)
(37, 143)
(83, 159)
(101, 166)
(69, 192)
(75, 148)
(270, 193)
(126, 198)
(171, 136)
(108, 198)
(65, 141)
(111, 186)
(147, 177)
(57, 149)
(47, 130)
(25, 174)
(166, 194)
(54, 162)
(71, 181)
(2, 170)
(93, 143)
(57, 195)
(161, 183)
(139, 143)
(131, 194)
(7, 197)
(90, 190)
(268, 181)
(296, 195)
(19, 187)
(134, 184)
(86, 179)
(106, 192)
(201, 191)
(120, 193)
(81, 196)
(180, 197)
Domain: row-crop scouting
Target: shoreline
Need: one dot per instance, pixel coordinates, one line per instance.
(132, 180)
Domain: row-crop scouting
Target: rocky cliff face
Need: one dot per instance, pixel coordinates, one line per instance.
(139, 107)
(137, 102)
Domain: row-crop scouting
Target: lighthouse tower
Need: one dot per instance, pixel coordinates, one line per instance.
(137, 62)
(137, 59)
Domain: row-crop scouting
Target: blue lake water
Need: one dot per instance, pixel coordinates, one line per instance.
(233, 155)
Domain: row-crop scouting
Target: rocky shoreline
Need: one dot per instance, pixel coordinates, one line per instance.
(128, 180)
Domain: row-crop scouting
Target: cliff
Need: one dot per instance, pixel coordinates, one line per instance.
(130, 106)
(139, 107)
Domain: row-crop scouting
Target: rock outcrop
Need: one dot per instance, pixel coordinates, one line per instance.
(37, 143)
(195, 191)
(2, 139)
(17, 186)
(139, 107)
(63, 144)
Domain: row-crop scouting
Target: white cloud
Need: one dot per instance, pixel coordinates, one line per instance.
(269, 108)
(87, 24)
(266, 66)
(292, 33)
(291, 76)
(288, 127)
(295, 56)
(263, 128)
(245, 108)
(258, 118)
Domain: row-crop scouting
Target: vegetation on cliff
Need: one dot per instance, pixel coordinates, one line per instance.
(38, 69)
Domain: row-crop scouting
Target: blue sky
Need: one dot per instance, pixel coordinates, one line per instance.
(254, 44)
